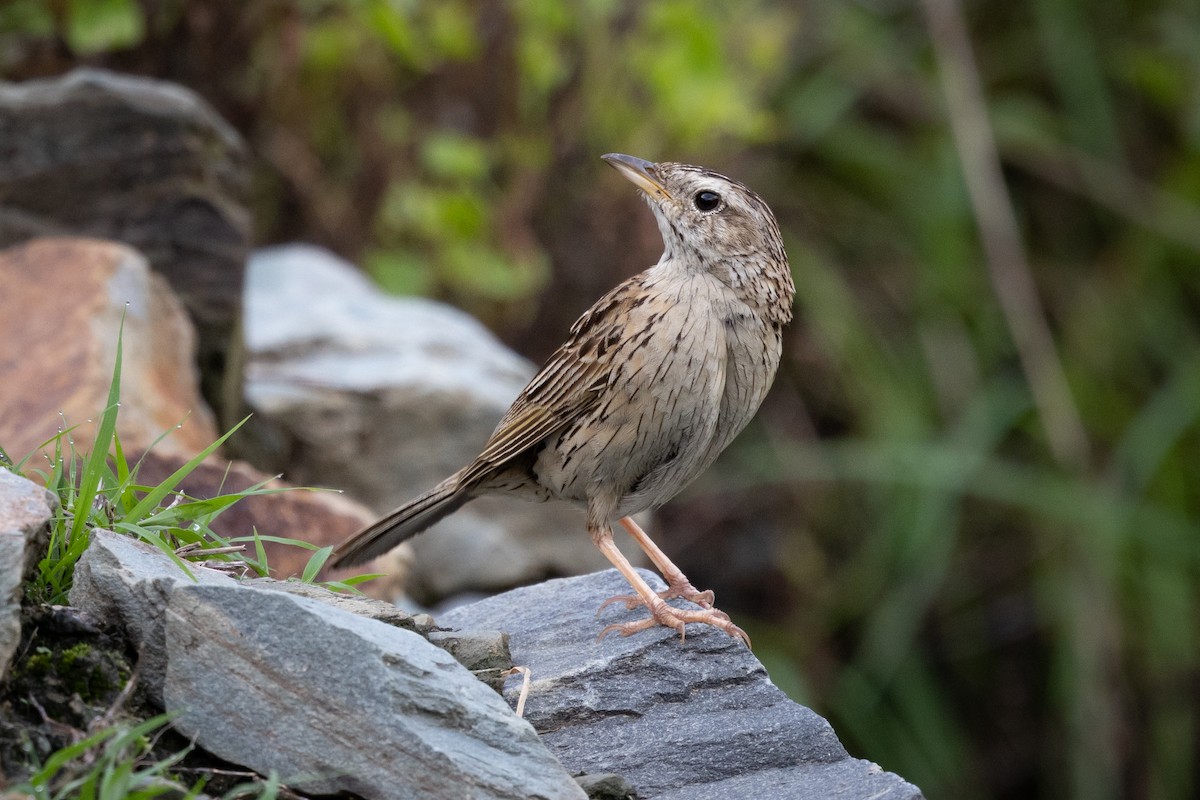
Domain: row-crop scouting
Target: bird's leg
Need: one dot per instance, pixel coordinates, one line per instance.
(677, 583)
(660, 612)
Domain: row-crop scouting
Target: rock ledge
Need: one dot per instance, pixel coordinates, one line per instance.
(697, 719)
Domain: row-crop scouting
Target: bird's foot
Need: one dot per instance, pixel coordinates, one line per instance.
(675, 618)
(690, 593)
(674, 589)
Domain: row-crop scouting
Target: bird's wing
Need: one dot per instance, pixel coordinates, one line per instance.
(558, 395)
(567, 386)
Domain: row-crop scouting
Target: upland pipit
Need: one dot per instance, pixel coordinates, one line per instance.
(653, 382)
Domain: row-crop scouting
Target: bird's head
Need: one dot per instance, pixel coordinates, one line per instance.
(710, 222)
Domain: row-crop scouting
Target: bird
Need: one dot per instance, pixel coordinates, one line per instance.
(651, 384)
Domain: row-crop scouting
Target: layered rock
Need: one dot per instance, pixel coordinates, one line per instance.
(697, 719)
(328, 699)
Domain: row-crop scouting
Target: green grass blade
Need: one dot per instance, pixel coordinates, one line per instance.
(351, 584)
(258, 537)
(156, 495)
(96, 459)
(315, 562)
(56, 439)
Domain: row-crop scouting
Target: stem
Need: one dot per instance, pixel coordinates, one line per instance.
(1008, 267)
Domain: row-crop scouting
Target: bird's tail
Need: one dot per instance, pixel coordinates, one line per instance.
(403, 523)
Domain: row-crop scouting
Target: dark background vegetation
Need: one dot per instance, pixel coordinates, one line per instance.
(965, 524)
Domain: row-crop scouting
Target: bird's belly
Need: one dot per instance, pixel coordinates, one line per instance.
(651, 431)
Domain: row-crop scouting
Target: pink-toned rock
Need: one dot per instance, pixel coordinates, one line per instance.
(60, 312)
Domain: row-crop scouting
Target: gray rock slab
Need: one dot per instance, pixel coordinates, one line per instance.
(369, 340)
(331, 694)
(356, 604)
(25, 513)
(127, 584)
(485, 653)
(384, 397)
(336, 702)
(695, 719)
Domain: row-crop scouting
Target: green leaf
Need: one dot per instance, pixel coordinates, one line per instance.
(257, 537)
(351, 584)
(400, 271)
(454, 156)
(315, 562)
(97, 26)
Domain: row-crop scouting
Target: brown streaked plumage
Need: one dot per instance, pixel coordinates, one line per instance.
(652, 383)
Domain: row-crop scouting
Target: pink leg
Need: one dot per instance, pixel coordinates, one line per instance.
(660, 612)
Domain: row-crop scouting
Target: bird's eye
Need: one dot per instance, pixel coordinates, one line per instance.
(707, 201)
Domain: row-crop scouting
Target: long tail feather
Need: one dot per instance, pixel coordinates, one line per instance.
(403, 523)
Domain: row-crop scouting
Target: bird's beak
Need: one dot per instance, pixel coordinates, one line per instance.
(640, 172)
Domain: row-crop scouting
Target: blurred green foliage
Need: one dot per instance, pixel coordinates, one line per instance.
(969, 610)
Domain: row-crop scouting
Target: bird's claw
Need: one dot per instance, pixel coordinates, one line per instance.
(684, 590)
(675, 619)
(631, 602)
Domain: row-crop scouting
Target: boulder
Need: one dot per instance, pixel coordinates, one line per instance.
(351, 705)
(25, 513)
(328, 699)
(140, 161)
(386, 396)
(696, 719)
(63, 303)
